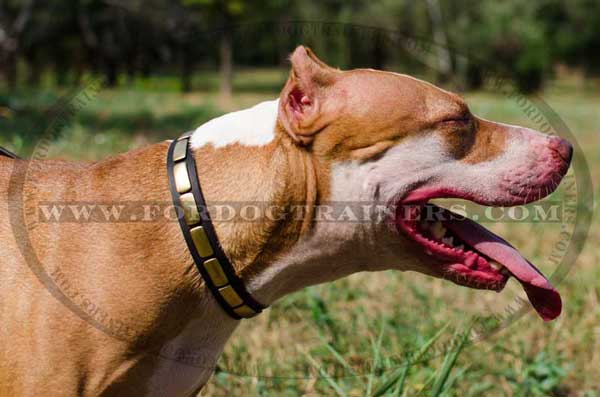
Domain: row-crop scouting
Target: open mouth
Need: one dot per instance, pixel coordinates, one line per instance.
(472, 256)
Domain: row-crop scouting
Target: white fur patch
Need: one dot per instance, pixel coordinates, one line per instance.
(254, 126)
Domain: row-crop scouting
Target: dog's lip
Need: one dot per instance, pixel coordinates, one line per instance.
(464, 267)
(544, 298)
(424, 194)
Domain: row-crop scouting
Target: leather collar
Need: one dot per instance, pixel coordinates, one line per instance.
(8, 153)
(197, 228)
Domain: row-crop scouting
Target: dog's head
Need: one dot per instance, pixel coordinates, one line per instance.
(391, 139)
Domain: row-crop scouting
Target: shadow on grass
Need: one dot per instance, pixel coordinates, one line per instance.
(26, 118)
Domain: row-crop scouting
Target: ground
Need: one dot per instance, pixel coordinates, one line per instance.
(349, 337)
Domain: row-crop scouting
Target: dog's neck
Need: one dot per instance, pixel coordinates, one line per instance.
(269, 169)
(245, 159)
(156, 289)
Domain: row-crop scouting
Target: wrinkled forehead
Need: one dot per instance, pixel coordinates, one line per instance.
(398, 97)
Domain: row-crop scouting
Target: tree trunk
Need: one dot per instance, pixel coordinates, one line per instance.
(131, 67)
(378, 51)
(61, 67)
(474, 76)
(10, 41)
(185, 60)
(444, 60)
(226, 51)
(34, 69)
(282, 42)
(111, 72)
(11, 70)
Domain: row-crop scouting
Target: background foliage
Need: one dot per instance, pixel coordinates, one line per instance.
(126, 39)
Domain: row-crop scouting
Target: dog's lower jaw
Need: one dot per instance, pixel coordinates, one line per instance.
(303, 266)
(310, 262)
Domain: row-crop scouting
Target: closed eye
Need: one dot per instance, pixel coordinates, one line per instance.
(459, 122)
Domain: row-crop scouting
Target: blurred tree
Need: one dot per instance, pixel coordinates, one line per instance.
(573, 28)
(225, 13)
(40, 28)
(15, 17)
(506, 37)
(106, 35)
(465, 39)
(440, 39)
(125, 38)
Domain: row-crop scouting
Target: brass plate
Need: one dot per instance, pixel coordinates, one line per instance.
(201, 242)
(190, 210)
(215, 271)
(182, 179)
(231, 297)
(244, 311)
(180, 150)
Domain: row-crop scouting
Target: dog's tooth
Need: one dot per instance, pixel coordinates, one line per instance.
(471, 261)
(498, 267)
(460, 247)
(437, 230)
(448, 241)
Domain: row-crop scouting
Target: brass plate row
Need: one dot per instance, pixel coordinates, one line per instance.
(199, 237)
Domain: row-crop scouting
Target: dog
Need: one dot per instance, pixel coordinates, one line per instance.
(106, 308)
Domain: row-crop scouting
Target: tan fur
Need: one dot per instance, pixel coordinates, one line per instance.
(142, 289)
(139, 276)
(375, 109)
(281, 174)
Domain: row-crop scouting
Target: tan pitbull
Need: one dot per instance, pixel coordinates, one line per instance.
(118, 308)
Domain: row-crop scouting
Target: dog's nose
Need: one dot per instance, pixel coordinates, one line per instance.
(562, 147)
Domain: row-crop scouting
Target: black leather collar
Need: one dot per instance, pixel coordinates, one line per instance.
(8, 153)
(197, 228)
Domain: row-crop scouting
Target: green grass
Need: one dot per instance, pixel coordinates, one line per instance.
(369, 334)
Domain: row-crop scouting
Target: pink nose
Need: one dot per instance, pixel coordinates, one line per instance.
(562, 147)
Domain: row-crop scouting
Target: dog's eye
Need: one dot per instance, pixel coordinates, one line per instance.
(460, 122)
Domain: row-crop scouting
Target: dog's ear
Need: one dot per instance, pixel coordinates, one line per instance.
(307, 103)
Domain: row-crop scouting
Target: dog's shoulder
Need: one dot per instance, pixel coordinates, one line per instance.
(6, 166)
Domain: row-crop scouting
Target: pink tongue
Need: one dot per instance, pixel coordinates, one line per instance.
(544, 298)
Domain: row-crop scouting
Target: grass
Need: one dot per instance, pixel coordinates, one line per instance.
(376, 334)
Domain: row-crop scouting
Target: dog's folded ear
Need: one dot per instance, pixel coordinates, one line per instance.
(307, 103)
